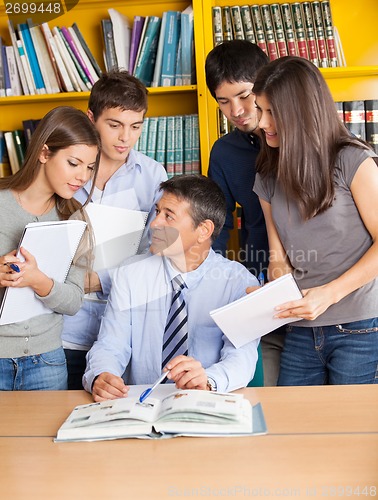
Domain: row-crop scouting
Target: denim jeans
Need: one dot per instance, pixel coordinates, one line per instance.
(339, 354)
(41, 372)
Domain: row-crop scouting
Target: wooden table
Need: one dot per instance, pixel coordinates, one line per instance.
(321, 442)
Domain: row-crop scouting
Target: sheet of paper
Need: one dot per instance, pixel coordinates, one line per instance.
(251, 316)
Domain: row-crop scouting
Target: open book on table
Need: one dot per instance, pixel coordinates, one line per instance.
(252, 316)
(173, 413)
(53, 244)
(117, 232)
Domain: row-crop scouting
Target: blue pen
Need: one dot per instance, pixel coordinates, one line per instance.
(14, 267)
(261, 279)
(148, 391)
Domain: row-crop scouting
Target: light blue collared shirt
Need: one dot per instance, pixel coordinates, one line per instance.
(134, 186)
(131, 335)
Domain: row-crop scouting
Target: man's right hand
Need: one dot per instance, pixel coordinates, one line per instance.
(108, 386)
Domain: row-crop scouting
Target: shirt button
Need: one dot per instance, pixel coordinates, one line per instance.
(26, 327)
(26, 339)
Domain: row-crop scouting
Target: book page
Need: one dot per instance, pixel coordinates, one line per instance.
(53, 244)
(117, 231)
(250, 317)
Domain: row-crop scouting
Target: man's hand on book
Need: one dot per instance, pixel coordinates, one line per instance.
(109, 386)
(187, 373)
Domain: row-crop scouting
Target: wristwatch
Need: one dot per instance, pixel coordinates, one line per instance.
(211, 384)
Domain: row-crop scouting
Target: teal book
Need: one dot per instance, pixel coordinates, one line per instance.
(24, 34)
(142, 142)
(20, 146)
(188, 140)
(171, 39)
(151, 138)
(159, 53)
(145, 64)
(161, 140)
(187, 47)
(196, 165)
(179, 145)
(170, 149)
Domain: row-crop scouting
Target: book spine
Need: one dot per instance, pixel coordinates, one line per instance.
(259, 28)
(310, 32)
(87, 61)
(161, 139)
(142, 143)
(179, 143)
(269, 33)
(40, 54)
(19, 144)
(56, 78)
(66, 58)
(69, 35)
(74, 54)
(178, 73)
(247, 24)
(21, 72)
(278, 29)
(188, 139)
(135, 40)
(170, 149)
(12, 155)
(152, 136)
(217, 25)
(145, 65)
(329, 35)
(5, 168)
(187, 47)
(227, 23)
(171, 37)
(7, 81)
(110, 57)
(26, 66)
(32, 57)
(371, 117)
(340, 110)
(299, 30)
(237, 25)
(13, 71)
(319, 34)
(86, 48)
(196, 165)
(2, 80)
(354, 118)
(289, 30)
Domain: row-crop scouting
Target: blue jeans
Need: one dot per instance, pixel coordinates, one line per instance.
(41, 372)
(337, 354)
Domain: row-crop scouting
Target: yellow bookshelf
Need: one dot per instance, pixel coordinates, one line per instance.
(88, 14)
(357, 26)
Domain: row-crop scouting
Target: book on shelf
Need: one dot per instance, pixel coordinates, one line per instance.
(227, 23)
(319, 34)
(121, 34)
(64, 77)
(43, 56)
(310, 33)
(196, 165)
(117, 232)
(2, 78)
(178, 70)
(53, 244)
(136, 33)
(29, 126)
(252, 316)
(217, 25)
(76, 67)
(76, 82)
(12, 153)
(354, 118)
(165, 414)
(7, 82)
(52, 55)
(151, 137)
(179, 145)
(269, 32)
(259, 28)
(20, 67)
(87, 50)
(5, 168)
(142, 141)
(110, 57)
(19, 144)
(296, 10)
(187, 46)
(237, 24)
(27, 69)
(25, 36)
(329, 34)
(88, 66)
(278, 30)
(171, 38)
(161, 138)
(287, 20)
(371, 119)
(249, 33)
(341, 61)
(170, 147)
(144, 66)
(188, 140)
(340, 110)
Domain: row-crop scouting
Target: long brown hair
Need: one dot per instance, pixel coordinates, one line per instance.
(59, 129)
(310, 131)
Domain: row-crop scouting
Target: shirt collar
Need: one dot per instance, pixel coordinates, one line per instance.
(191, 278)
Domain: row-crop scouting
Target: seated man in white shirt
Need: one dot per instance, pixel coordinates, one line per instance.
(131, 347)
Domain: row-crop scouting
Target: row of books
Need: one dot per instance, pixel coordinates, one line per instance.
(157, 50)
(173, 141)
(41, 60)
(301, 28)
(361, 118)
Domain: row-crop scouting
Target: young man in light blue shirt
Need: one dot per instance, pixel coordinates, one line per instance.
(189, 215)
(126, 179)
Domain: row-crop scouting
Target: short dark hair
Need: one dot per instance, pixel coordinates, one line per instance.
(204, 196)
(233, 61)
(117, 89)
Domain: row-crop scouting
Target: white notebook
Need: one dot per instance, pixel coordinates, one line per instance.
(251, 316)
(53, 244)
(117, 232)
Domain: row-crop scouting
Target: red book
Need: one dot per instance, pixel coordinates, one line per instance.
(289, 29)
(279, 30)
(269, 33)
(259, 28)
(299, 30)
(310, 33)
(329, 35)
(319, 34)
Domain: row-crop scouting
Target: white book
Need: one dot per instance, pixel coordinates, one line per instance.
(13, 71)
(21, 72)
(173, 413)
(53, 244)
(77, 82)
(89, 65)
(26, 66)
(117, 232)
(122, 36)
(251, 316)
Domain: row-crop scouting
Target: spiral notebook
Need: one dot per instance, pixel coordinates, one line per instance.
(53, 244)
